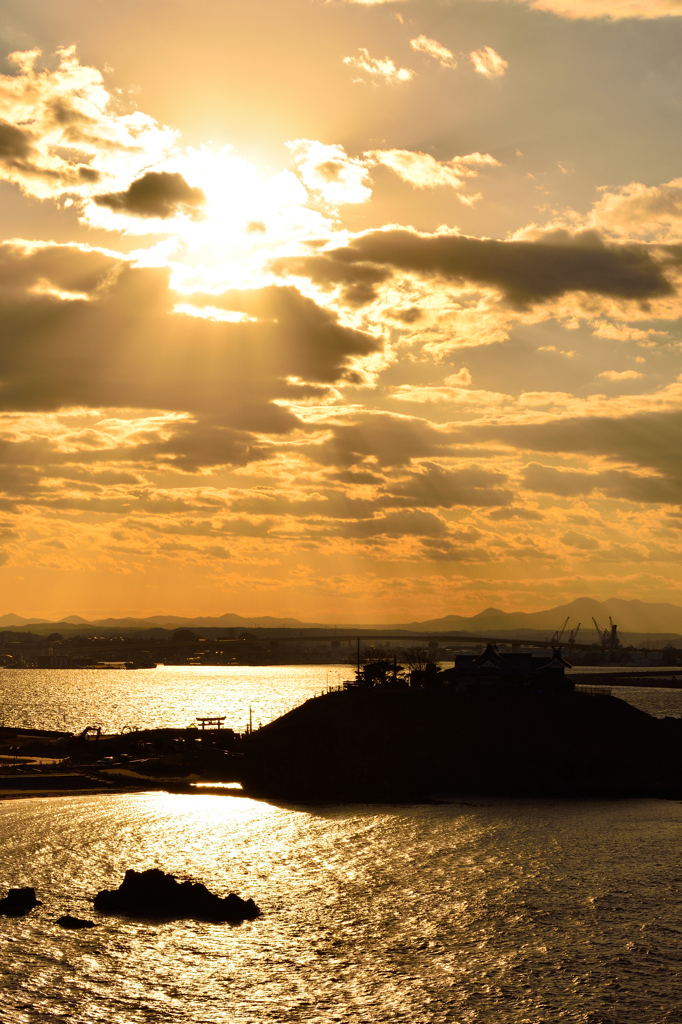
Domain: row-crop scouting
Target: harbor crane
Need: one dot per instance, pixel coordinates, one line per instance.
(558, 633)
(608, 638)
(603, 634)
(572, 636)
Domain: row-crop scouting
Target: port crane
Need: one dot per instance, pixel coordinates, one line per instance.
(608, 638)
(603, 634)
(558, 633)
(572, 636)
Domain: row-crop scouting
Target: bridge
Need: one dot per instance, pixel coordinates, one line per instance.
(121, 647)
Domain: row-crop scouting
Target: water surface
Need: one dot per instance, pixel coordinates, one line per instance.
(167, 696)
(480, 910)
(500, 912)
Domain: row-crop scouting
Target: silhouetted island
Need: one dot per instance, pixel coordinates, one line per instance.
(154, 894)
(378, 743)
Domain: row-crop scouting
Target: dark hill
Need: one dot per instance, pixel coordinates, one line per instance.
(403, 745)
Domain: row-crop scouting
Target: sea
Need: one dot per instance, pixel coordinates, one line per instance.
(467, 909)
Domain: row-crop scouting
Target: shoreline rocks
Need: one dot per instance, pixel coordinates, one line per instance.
(74, 923)
(19, 902)
(154, 894)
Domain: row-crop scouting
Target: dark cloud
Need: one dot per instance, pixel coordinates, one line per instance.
(296, 337)
(18, 154)
(15, 145)
(526, 272)
(646, 439)
(579, 541)
(444, 550)
(564, 482)
(614, 483)
(66, 268)
(122, 346)
(407, 316)
(414, 523)
(356, 476)
(436, 487)
(156, 194)
(358, 280)
(384, 438)
(516, 513)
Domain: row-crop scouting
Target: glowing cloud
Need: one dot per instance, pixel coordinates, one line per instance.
(434, 49)
(620, 374)
(330, 171)
(487, 62)
(641, 211)
(614, 9)
(379, 69)
(423, 171)
(60, 130)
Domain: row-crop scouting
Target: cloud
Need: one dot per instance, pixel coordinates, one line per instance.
(383, 439)
(487, 62)
(647, 439)
(357, 281)
(423, 170)
(526, 272)
(384, 70)
(61, 131)
(461, 379)
(623, 332)
(432, 48)
(620, 374)
(329, 171)
(579, 541)
(614, 483)
(156, 194)
(641, 211)
(436, 487)
(516, 513)
(398, 524)
(613, 9)
(222, 380)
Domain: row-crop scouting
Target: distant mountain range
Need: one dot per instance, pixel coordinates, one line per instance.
(171, 621)
(630, 617)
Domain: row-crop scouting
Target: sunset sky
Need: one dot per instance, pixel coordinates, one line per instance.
(351, 311)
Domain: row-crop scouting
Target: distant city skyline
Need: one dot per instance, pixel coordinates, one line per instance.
(353, 311)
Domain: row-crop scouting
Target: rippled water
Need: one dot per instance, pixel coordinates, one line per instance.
(501, 912)
(168, 696)
(482, 910)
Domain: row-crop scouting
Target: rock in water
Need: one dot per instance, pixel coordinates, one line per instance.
(18, 902)
(155, 894)
(74, 922)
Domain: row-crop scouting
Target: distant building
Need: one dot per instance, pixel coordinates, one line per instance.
(525, 671)
(55, 661)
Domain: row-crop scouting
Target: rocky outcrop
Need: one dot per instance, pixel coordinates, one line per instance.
(18, 902)
(154, 894)
(74, 923)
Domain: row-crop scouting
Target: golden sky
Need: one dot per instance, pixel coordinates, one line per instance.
(340, 309)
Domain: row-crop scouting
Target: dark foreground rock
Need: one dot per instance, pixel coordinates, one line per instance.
(158, 895)
(18, 902)
(74, 923)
